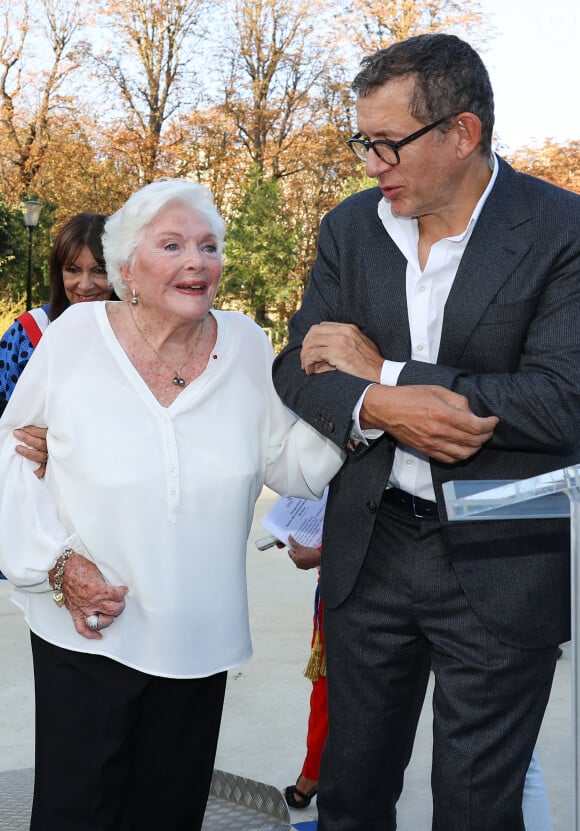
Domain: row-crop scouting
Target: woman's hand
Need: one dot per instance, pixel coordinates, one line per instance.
(87, 593)
(33, 447)
(328, 346)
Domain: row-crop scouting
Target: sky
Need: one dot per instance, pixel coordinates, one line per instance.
(533, 59)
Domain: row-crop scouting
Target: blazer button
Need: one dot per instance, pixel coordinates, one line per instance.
(330, 427)
(372, 506)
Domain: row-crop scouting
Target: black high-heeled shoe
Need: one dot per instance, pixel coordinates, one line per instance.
(296, 798)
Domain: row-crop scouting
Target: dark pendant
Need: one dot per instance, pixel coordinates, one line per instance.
(178, 380)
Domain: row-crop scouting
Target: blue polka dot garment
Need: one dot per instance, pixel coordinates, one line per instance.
(15, 352)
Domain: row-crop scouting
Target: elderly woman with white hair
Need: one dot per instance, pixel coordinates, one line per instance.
(128, 558)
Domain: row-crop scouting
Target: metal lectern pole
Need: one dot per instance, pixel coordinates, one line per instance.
(574, 496)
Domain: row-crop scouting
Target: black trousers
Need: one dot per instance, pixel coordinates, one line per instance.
(117, 749)
(407, 615)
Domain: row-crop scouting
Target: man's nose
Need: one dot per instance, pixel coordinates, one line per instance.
(374, 165)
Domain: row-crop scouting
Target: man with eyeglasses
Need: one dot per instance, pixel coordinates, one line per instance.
(438, 340)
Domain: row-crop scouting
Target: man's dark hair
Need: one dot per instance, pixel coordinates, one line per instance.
(450, 78)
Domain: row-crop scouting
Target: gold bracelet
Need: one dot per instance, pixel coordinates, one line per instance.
(58, 594)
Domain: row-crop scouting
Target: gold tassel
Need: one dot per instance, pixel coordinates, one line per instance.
(314, 665)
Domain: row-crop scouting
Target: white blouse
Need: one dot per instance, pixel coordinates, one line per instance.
(160, 498)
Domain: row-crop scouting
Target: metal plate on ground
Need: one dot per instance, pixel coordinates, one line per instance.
(235, 803)
(16, 799)
(238, 803)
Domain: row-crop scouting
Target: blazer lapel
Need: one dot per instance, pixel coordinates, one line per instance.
(499, 241)
(382, 307)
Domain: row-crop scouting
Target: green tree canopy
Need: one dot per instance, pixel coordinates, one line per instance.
(258, 276)
(12, 252)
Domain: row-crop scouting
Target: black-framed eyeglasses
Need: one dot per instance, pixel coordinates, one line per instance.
(389, 150)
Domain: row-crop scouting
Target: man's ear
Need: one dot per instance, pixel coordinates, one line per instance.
(468, 127)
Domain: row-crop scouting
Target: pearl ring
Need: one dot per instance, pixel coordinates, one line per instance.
(92, 622)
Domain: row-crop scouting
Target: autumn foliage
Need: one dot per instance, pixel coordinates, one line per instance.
(250, 97)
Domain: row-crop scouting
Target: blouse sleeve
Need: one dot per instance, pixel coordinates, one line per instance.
(15, 352)
(31, 535)
(301, 462)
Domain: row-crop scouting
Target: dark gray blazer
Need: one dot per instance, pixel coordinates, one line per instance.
(510, 344)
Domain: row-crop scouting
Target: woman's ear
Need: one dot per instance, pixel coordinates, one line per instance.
(127, 276)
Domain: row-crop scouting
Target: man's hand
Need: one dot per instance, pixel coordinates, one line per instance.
(304, 557)
(33, 447)
(432, 419)
(87, 593)
(342, 346)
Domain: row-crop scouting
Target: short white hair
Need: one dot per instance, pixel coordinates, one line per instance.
(124, 229)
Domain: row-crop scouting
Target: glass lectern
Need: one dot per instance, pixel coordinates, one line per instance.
(550, 495)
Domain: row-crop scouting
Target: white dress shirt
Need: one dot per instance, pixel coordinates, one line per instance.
(427, 292)
(160, 498)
